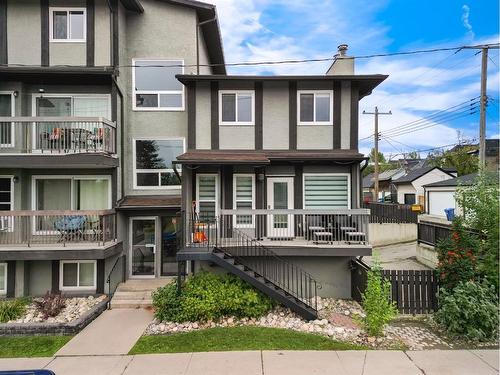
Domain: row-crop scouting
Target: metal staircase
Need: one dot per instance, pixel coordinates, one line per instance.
(259, 266)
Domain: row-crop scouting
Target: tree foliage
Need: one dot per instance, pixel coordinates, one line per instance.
(459, 158)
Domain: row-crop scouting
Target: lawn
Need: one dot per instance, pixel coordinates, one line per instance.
(31, 346)
(237, 338)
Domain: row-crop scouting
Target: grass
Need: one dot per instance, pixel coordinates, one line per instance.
(31, 346)
(237, 338)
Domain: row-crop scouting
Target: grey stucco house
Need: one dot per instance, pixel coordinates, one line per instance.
(86, 86)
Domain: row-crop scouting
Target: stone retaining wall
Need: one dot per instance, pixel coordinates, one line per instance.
(43, 329)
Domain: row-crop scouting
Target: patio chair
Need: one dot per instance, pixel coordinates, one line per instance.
(69, 226)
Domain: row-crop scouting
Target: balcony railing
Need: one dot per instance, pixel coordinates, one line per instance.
(56, 135)
(63, 228)
(285, 227)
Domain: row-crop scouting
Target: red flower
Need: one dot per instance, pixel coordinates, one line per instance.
(455, 236)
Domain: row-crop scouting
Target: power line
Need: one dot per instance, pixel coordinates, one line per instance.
(440, 147)
(293, 61)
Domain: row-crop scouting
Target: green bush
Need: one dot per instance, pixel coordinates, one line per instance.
(470, 310)
(11, 309)
(457, 256)
(208, 296)
(379, 308)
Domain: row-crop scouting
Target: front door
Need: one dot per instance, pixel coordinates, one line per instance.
(280, 197)
(143, 247)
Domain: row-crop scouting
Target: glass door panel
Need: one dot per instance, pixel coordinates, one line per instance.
(143, 247)
(169, 245)
(6, 128)
(280, 197)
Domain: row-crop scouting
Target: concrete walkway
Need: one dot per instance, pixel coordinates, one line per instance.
(398, 257)
(430, 362)
(114, 332)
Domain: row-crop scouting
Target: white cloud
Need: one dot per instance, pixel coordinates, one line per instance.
(465, 20)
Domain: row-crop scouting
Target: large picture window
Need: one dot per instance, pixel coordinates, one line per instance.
(155, 85)
(236, 107)
(153, 163)
(315, 107)
(244, 197)
(78, 275)
(68, 24)
(326, 191)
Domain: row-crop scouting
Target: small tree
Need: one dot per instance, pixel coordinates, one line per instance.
(379, 308)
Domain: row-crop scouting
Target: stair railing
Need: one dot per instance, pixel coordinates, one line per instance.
(119, 268)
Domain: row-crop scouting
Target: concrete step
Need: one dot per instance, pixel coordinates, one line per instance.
(121, 295)
(130, 304)
(143, 285)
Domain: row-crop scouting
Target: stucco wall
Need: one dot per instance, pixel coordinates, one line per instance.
(345, 115)
(314, 137)
(237, 137)
(40, 280)
(275, 123)
(102, 21)
(390, 233)
(203, 123)
(23, 32)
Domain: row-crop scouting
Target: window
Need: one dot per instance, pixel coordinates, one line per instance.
(243, 197)
(3, 279)
(6, 128)
(315, 107)
(153, 163)
(326, 191)
(79, 274)
(68, 24)
(155, 85)
(6, 203)
(236, 107)
(409, 198)
(73, 105)
(206, 196)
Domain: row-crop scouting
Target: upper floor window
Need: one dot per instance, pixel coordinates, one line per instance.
(315, 107)
(236, 107)
(153, 163)
(155, 86)
(68, 24)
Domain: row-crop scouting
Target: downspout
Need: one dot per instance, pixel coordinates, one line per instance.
(361, 169)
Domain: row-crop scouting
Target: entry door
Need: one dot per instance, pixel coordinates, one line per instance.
(143, 247)
(280, 197)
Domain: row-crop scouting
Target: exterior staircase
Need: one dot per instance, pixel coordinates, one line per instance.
(136, 293)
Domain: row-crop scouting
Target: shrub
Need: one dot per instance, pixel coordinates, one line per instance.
(457, 256)
(379, 308)
(469, 310)
(208, 296)
(11, 309)
(50, 305)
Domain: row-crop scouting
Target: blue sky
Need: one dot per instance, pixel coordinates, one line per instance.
(258, 30)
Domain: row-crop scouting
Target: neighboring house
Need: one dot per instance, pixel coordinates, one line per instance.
(410, 187)
(491, 153)
(81, 130)
(273, 164)
(386, 189)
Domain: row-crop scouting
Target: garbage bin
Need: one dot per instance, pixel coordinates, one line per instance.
(450, 213)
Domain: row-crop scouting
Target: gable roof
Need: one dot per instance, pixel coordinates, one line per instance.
(210, 30)
(416, 173)
(467, 179)
(368, 180)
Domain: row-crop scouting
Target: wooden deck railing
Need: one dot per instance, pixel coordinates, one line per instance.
(57, 135)
(53, 227)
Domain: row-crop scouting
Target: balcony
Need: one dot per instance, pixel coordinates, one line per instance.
(288, 232)
(55, 231)
(56, 138)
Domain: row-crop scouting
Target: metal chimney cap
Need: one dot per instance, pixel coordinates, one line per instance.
(342, 49)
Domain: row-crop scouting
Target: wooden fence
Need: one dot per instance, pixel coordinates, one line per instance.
(391, 213)
(414, 291)
(431, 233)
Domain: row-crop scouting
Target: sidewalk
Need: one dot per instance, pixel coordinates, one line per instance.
(107, 334)
(430, 362)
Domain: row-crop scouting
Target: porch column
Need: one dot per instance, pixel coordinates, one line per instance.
(260, 194)
(297, 197)
(11, 278)
(55, 276)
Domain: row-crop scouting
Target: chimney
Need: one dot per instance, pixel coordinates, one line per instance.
(342, 64)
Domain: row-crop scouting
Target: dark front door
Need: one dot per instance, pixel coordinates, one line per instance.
(170, 231)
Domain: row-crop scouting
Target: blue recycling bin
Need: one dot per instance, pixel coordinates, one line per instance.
(450, 213)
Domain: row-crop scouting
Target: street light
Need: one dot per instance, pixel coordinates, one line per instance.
(197, 42)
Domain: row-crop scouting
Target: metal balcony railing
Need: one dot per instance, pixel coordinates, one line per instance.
(64, 228)
(57, 135)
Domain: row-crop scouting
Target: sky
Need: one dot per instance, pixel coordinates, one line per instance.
(418, 85)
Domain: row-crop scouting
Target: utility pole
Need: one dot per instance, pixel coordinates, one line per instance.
(376, 136)
(482, 112)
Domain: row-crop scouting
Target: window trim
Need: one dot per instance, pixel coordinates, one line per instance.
(3, 290)
(348, 175)
(12, 125)
(198, 175)
(135, 170)
(314, 122)
(236, 122)
(78, 287)
(158, 92)
(67, 10)
(235, 176)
